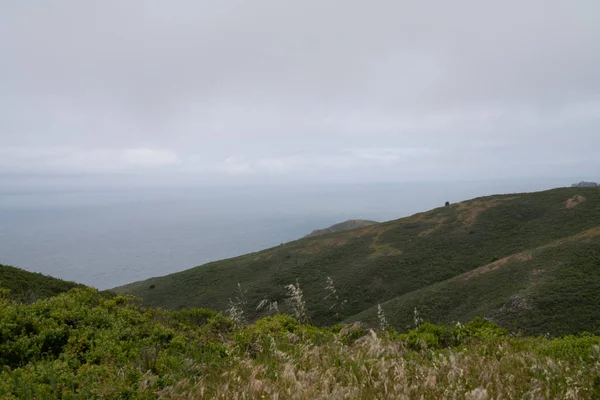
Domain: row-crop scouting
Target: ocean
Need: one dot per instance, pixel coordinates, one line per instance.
(107, 238)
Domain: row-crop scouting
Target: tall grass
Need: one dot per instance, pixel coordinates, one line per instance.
(81, 345)
(382, 368)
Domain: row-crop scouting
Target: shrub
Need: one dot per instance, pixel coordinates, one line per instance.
(430, 336)
(83, 345)
(277, 324)
(584, 347)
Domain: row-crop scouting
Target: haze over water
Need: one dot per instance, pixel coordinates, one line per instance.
(106, 238)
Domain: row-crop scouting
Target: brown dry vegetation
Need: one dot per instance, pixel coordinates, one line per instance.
(376, 368)
(468, 211)
(348, 225)
(524, 256)
(383, 249)
(317, 246)
(590, 233)
(575, 201)
(114, 349)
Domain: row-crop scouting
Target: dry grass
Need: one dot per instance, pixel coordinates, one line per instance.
(376, 368)
(375, 229)
(429, 231)
(590, 233)
(469, 211)
(524, 256)
(319, 243)
(140, 353)
(575, 201)
(382, 249)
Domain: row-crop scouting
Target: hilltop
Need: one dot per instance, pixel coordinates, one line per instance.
(342, 226)
(528, 254)
(584, 184)
(30, 286)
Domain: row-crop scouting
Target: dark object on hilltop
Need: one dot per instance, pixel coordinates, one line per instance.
(447, 204)
(585, 184)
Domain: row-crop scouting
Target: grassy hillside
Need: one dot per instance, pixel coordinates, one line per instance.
(82, 345)
(342, 226)
(30, 286)
(552, 288)
(386, 261)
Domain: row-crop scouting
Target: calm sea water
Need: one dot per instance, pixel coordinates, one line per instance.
(110, 238)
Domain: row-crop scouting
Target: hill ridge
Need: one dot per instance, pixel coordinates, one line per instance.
(29, 286)
(381, 262)
(347, 225)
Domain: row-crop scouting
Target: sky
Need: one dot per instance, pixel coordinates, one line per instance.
(306, 91)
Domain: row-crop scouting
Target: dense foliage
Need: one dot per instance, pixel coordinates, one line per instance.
(411, 262)
(552, 289)
(30, 286)
(83, 345)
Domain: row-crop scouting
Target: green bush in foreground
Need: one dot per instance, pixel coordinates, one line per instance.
(430, 336)
(83, 345)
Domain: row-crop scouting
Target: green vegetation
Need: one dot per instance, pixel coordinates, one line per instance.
(83, 345)
(526, 261)
(550, 289)
(30, 286)
(342, 226)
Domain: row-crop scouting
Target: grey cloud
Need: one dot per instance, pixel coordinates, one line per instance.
(271, 87)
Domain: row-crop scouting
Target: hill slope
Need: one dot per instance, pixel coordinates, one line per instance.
(342, 226)
(384, 261)
(552, 288)
(30, 286)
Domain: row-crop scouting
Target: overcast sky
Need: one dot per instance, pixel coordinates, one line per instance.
(311, 90)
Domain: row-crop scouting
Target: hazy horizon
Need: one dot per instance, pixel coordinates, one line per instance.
(110, 238)
(134, 136)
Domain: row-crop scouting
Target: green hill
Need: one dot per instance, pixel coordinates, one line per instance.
(30, 286)
(342, 226)
(414, 258)
(552, 288)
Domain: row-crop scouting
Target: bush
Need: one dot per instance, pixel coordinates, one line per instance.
(84, 345)
(430, 336)
(585, 347)
(277, 324)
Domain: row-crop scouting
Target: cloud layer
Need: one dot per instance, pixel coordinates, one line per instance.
(305, 90)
